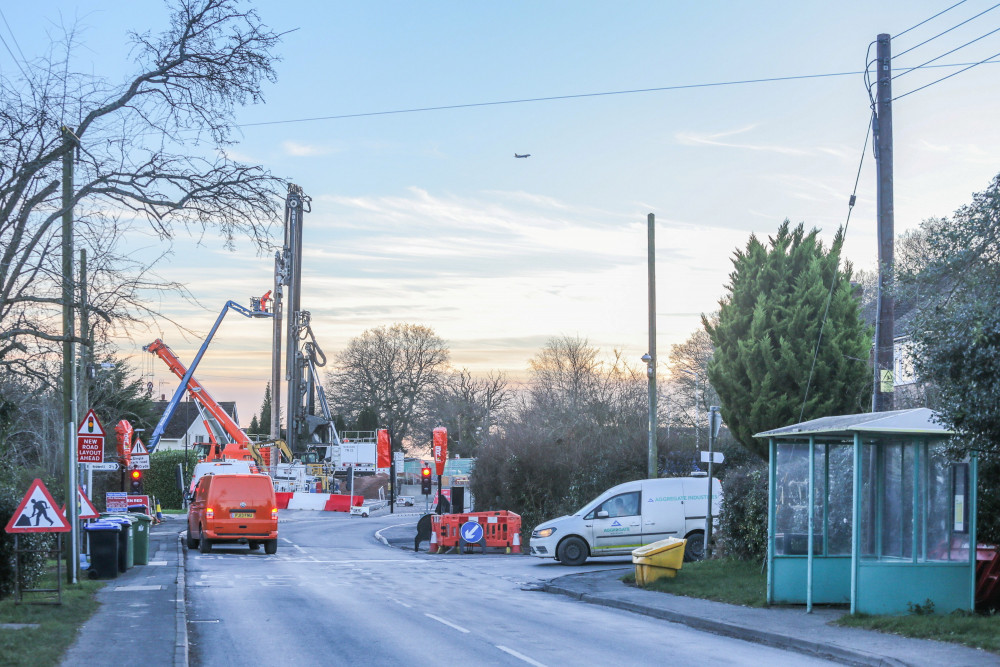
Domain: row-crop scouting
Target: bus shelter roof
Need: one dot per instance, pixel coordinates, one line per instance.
(914, 422)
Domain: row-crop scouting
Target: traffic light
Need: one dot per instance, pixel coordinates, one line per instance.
(136, 481)
(425, 481)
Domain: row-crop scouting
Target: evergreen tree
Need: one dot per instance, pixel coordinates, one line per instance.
(767, 331)
(264, 424)
(254, 426)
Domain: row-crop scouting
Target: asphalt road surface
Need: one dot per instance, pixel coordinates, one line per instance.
(335, 595)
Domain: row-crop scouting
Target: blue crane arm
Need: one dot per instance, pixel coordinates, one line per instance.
(179, 394)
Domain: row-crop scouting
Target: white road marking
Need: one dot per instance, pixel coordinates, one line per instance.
(138, 588)
(448, 623)
(163, 562)
(519, 656)
(400, 602)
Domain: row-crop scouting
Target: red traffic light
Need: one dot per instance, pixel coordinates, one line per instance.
(136, 474)
(425, 472)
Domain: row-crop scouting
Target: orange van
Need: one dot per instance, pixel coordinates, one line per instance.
(233, 508)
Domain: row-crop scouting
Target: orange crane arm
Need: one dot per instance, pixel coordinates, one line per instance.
(160, 349)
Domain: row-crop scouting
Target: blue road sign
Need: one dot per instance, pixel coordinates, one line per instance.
(471, 532)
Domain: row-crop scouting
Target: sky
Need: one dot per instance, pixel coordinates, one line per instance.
(426, 217)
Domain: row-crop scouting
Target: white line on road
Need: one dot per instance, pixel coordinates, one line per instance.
(519, 656)
(448, 623)
(403, 603)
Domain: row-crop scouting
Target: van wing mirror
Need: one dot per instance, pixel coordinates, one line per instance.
(603, 514)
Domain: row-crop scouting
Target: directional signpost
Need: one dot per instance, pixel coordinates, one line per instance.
(90, 439)
(140, 456)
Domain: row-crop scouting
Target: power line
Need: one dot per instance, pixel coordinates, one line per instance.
(833, 281)
(946, 31)
(930, 19)
(985, 60)
(948, 53)
(366, 114)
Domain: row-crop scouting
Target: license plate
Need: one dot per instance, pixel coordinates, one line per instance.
(241, 515)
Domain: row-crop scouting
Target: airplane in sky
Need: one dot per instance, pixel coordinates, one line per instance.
(525, 155)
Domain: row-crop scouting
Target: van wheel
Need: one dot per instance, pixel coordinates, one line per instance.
(190, 541)
(572, 551)
(204, 544)
(695, 547)
(271, 547)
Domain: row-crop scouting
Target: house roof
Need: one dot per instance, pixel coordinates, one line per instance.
(918, 421)
(185, 415)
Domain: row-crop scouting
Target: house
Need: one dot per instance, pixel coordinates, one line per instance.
(186, 428)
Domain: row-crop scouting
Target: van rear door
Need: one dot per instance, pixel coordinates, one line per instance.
(662, 510)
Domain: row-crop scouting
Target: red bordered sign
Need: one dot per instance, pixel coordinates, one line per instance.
(37, 513)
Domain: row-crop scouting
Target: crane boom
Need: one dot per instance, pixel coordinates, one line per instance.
(258, 308)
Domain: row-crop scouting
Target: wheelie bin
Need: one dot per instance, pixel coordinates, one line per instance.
(141, 524)
(103, 539)
(126, 540)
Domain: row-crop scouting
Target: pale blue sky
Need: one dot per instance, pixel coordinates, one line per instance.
(427, 217)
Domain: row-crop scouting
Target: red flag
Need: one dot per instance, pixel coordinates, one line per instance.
(440, 448)
(384, 449)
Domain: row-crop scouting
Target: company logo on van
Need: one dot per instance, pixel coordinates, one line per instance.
(616, 523)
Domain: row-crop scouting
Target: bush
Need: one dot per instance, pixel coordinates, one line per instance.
(32, 564)
(161, 478)
(743, 519)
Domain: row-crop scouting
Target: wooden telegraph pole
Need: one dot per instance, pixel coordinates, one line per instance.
(69, 361)
(882, 396)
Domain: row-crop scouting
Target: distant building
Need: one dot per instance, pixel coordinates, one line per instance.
(186, 428)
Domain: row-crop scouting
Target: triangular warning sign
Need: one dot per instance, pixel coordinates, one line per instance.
(37, 513)
(91, 425)
(139, 449)
(87, 509)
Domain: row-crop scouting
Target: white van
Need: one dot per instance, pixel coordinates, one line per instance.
(226, 467)
(630, 515)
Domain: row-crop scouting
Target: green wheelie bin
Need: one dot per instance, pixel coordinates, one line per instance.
(140, 525)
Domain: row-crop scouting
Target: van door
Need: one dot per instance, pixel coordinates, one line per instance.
(662, 510)
(617, 524)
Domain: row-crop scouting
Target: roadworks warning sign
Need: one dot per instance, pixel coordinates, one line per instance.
(37, 513)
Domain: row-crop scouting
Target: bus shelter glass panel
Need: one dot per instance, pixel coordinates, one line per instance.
(946, 508)
(791, 518)
(840, 499)
(897, 500)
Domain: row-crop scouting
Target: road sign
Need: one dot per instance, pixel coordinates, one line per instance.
(717, 457)
(90, 439)
(87, 509)
(103, 466)
(138, 501)
(139, 457)
(41, 503)
(471, 532)
(116, 501)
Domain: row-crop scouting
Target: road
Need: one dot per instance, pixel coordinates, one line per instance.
(334, 594)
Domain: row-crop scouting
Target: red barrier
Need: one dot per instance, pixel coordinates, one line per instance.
(282, 497)
(500, 529)
(342, 503)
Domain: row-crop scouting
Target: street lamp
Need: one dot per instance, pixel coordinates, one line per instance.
(653, 464)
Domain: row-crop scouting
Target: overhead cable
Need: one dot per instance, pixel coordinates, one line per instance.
(930, 19)
(948, 53)
(946, 31)
(985, 60)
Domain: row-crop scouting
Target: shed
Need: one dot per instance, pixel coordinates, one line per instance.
(891, 518)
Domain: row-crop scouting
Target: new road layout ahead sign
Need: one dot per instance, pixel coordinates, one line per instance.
(90, 439)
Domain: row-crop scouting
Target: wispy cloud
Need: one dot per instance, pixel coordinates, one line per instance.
(295, 149)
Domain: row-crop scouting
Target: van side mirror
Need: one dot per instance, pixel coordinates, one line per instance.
(603, 514)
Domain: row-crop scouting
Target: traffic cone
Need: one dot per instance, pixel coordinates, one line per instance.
(433, 549)
(517, 543)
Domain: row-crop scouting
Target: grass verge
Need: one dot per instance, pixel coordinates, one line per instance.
(977, 631)
(57, 624)
(732, 581)
(744, 583)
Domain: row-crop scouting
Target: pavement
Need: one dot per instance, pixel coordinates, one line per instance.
(148, 603)
(142, 611)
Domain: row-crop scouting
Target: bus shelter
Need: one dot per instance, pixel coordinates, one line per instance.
(867, 509)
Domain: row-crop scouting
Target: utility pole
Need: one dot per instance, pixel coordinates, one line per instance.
(293, 278)
(652, 471)
(882, 395)
(68, 375)
(86, 361)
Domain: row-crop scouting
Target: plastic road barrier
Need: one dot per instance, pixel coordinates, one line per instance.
(103, 538)
(500, 529)
(658, 560)
(141, 536)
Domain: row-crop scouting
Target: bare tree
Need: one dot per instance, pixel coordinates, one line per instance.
(391, 371)
(469, 407)
(148, 153)
(688, 392)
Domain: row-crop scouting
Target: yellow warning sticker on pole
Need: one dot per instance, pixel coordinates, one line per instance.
(885, 381)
